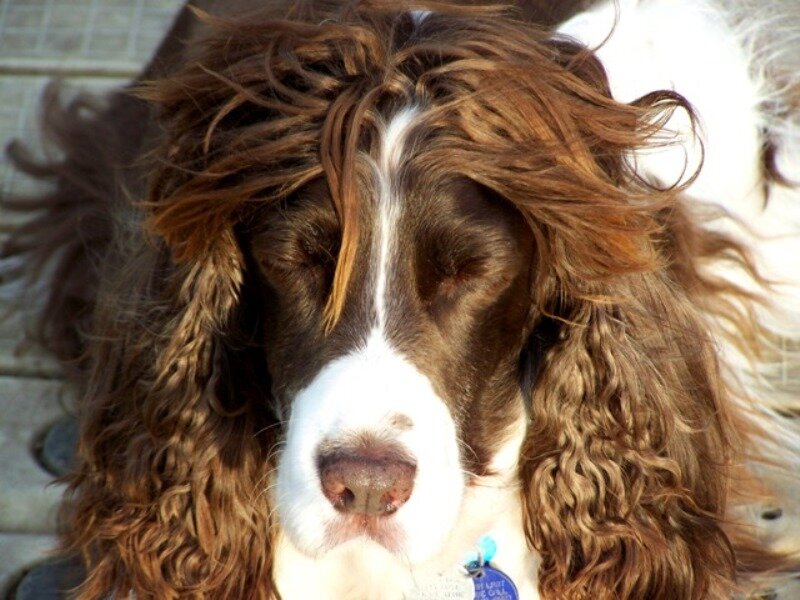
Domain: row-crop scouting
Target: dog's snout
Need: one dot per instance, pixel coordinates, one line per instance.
(369, 481)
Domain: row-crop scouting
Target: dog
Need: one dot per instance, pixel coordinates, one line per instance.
(385, 300)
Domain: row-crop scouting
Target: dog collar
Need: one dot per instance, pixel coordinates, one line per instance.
(475, 579)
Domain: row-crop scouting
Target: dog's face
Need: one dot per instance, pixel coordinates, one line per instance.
(392, 413)
(450, 183)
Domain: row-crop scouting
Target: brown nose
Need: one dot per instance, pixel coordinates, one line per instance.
(373, 481)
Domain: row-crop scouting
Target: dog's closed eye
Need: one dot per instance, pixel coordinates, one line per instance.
(297, 243)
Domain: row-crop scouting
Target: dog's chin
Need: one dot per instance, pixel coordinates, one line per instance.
(385, 535)
(382, 531)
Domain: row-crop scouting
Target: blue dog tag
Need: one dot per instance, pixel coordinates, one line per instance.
(492, 584)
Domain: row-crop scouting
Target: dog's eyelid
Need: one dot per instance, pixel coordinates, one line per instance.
(467, 266)
(302, 258)
(297, 236)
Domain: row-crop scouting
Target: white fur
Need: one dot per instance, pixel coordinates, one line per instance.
(713, 53)
(362, 570)
(392, 145)
(685, 46)
(360, 393)
(419, 15)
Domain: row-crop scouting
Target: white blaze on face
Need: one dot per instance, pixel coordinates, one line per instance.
(364, 392)
(392, 146)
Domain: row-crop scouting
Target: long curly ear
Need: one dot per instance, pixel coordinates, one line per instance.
(169, 497)
(625, 463)
(625, 467)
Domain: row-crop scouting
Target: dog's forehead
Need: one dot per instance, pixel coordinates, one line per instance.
(408, 178)
(397, 187)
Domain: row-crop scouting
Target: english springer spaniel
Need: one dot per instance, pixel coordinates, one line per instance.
(380, 300)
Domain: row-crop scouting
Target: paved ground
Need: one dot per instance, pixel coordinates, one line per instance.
(90, 43)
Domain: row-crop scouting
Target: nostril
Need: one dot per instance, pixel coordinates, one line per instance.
(374, 481)
(335, 490)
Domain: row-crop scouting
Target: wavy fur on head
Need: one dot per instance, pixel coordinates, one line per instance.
(635, 443)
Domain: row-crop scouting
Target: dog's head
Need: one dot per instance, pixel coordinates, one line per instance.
(409, 253)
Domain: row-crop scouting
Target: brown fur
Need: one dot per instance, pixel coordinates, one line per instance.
(626, 471)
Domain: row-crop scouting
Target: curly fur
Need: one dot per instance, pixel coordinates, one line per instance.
(637, 447)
